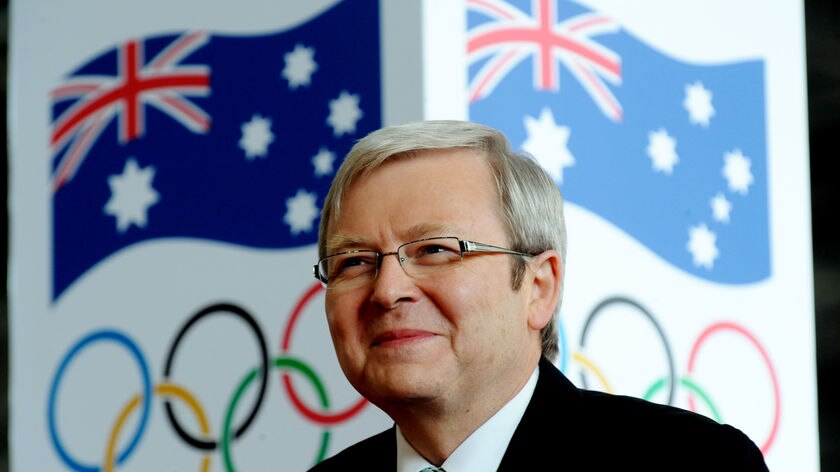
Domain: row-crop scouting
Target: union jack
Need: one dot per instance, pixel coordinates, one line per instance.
(160, 82)
(514, 35)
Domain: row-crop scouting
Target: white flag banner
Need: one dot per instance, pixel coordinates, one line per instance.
(169, 163)
(677, 132)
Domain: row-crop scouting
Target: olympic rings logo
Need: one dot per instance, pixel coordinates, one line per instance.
(169, 390)
(671, 380)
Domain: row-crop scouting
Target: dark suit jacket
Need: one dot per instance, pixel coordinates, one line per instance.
(566, 428)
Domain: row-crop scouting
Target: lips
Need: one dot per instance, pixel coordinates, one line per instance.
(400, 336)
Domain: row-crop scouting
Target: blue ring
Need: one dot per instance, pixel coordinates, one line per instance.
(103, 335)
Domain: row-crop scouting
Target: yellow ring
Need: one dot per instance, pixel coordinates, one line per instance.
(164, 389)
(586, 362)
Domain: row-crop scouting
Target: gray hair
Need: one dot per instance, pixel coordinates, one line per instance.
(530, 204)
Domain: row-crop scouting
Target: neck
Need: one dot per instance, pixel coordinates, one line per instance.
(436, 428)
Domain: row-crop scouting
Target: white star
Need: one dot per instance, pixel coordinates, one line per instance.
(256, 136)
(301, 212)
(548, 143)
(662, 150)
(344, 113)
(300, 65)
(323, 162)
(721, 207)
(736, 170)
(131, 195)
(702, 244)
(698, 102)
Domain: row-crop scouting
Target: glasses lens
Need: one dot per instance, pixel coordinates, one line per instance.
(347, 268)
(430, 255)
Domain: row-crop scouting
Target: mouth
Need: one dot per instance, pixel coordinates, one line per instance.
(400, 337)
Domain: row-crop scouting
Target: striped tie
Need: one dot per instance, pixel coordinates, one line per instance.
(432, 469)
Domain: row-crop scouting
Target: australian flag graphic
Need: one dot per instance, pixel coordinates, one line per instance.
(672, 153)
(216, 137)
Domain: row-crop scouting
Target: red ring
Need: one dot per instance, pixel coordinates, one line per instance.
(320, 418)
(776, 394)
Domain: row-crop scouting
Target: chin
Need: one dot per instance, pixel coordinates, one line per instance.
(402, 382)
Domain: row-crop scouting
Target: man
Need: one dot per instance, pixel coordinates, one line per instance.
(443, 256)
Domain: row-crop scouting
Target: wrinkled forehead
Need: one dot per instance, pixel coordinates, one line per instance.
(360, 169)
(366, 167)
(418, 178)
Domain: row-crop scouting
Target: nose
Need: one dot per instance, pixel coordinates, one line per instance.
(392, 285)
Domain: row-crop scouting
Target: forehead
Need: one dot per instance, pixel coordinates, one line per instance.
(419, 194)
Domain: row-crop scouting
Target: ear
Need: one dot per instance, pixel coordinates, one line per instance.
(544, 279)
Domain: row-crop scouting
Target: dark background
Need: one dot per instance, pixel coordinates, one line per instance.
(822, 32)
(822, 20)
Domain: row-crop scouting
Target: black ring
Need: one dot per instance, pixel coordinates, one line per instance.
(672, 381)
(252, 323)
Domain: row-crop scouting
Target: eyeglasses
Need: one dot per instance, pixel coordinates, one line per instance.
(418, 258)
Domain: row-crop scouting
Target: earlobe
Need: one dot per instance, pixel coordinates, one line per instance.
(545, 279)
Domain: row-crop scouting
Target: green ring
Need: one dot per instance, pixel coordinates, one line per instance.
(689, 384)
(280, 362)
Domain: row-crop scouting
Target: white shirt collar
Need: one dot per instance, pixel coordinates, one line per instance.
(484, 448)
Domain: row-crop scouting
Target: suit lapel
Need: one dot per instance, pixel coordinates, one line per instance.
(549, 421)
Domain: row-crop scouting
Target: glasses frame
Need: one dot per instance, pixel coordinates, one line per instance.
(466, 247)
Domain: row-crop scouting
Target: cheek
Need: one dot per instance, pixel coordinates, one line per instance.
(483, 282)
(339, 315)
(483, 302)
(343, 336)
(465, 302)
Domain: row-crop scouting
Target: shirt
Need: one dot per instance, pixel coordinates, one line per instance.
(484, 448)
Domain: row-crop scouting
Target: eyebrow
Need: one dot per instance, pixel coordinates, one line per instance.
(339, 242)
(427, 230)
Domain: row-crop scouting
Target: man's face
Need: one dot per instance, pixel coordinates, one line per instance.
(454, 337)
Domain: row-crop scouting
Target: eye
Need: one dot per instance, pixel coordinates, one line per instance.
(431, 249)
(352, 264)
(434, 252)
